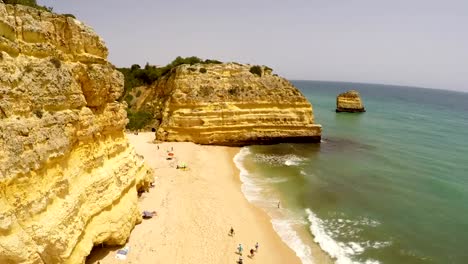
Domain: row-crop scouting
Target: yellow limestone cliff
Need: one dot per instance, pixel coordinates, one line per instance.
(349, 101)
(68, 176)
(226, 104)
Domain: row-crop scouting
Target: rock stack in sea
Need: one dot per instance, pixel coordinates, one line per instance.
(229, 104)
(68, 176)
(350, 102)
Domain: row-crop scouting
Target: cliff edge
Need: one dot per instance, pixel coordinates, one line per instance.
(228, 104)
(350, 102)
(68, 176)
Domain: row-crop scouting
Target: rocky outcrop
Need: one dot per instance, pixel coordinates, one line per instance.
(226, 104)
(349, 101)
(68, 176)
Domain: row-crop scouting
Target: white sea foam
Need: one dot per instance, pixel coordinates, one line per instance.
(325, 241)
(343, 252)
(371, 261)
(292, 161)
(273, 159)
(284, 226)
(274, 180)
(381, 244)
(357, 248)
(250, 190)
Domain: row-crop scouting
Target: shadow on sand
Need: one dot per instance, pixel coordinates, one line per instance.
(100, 252)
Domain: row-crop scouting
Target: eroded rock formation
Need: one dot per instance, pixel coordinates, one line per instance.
(226, 104)
(349, 101)
(68, 177)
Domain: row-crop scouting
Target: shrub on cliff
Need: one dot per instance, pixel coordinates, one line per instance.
(70, 15)
(129, 99)
(212, 62)
(38, 113)
(56, 62)
(234, 91)
(268, 69)
(31, 3)
(189, 60)
(136, 76)
(138, 120)
(256, 70)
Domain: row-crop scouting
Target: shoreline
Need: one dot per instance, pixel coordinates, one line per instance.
(285, 222)
(196, 208)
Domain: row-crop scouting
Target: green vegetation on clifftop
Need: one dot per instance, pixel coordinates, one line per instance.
(136, 76)
(256, 70)
(31, 3)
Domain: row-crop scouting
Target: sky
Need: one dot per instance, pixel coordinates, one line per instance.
(420, 43)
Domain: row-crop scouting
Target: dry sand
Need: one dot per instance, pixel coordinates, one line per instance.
(196, 208)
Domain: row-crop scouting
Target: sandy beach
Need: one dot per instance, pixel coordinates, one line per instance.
(195, 209)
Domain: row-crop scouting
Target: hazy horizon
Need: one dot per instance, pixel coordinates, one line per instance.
(418, 43)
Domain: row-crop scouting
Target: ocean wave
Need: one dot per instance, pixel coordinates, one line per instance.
(324, 232)
(271, 159)
(273, 180)
(250, 190)
(284, 228)
(293, 161)
(343, 252)
(379, 244)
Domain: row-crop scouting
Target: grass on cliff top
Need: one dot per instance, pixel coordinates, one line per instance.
(31, 3)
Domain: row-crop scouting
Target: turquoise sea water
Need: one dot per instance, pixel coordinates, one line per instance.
(386, 186)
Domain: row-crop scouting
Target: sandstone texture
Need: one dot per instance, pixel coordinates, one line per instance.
(68, 176)
(349, 101)
(226, 104)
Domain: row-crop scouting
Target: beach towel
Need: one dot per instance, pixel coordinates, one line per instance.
(122, 253)
(148, 214)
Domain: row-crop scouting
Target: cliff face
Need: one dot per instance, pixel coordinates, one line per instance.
(349, 101)
(68, 177)
(226, 104)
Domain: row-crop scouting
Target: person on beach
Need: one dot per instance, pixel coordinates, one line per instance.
(240, 260)
(240, 249)
(256, 247)
(231, 232)
(252, 252)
